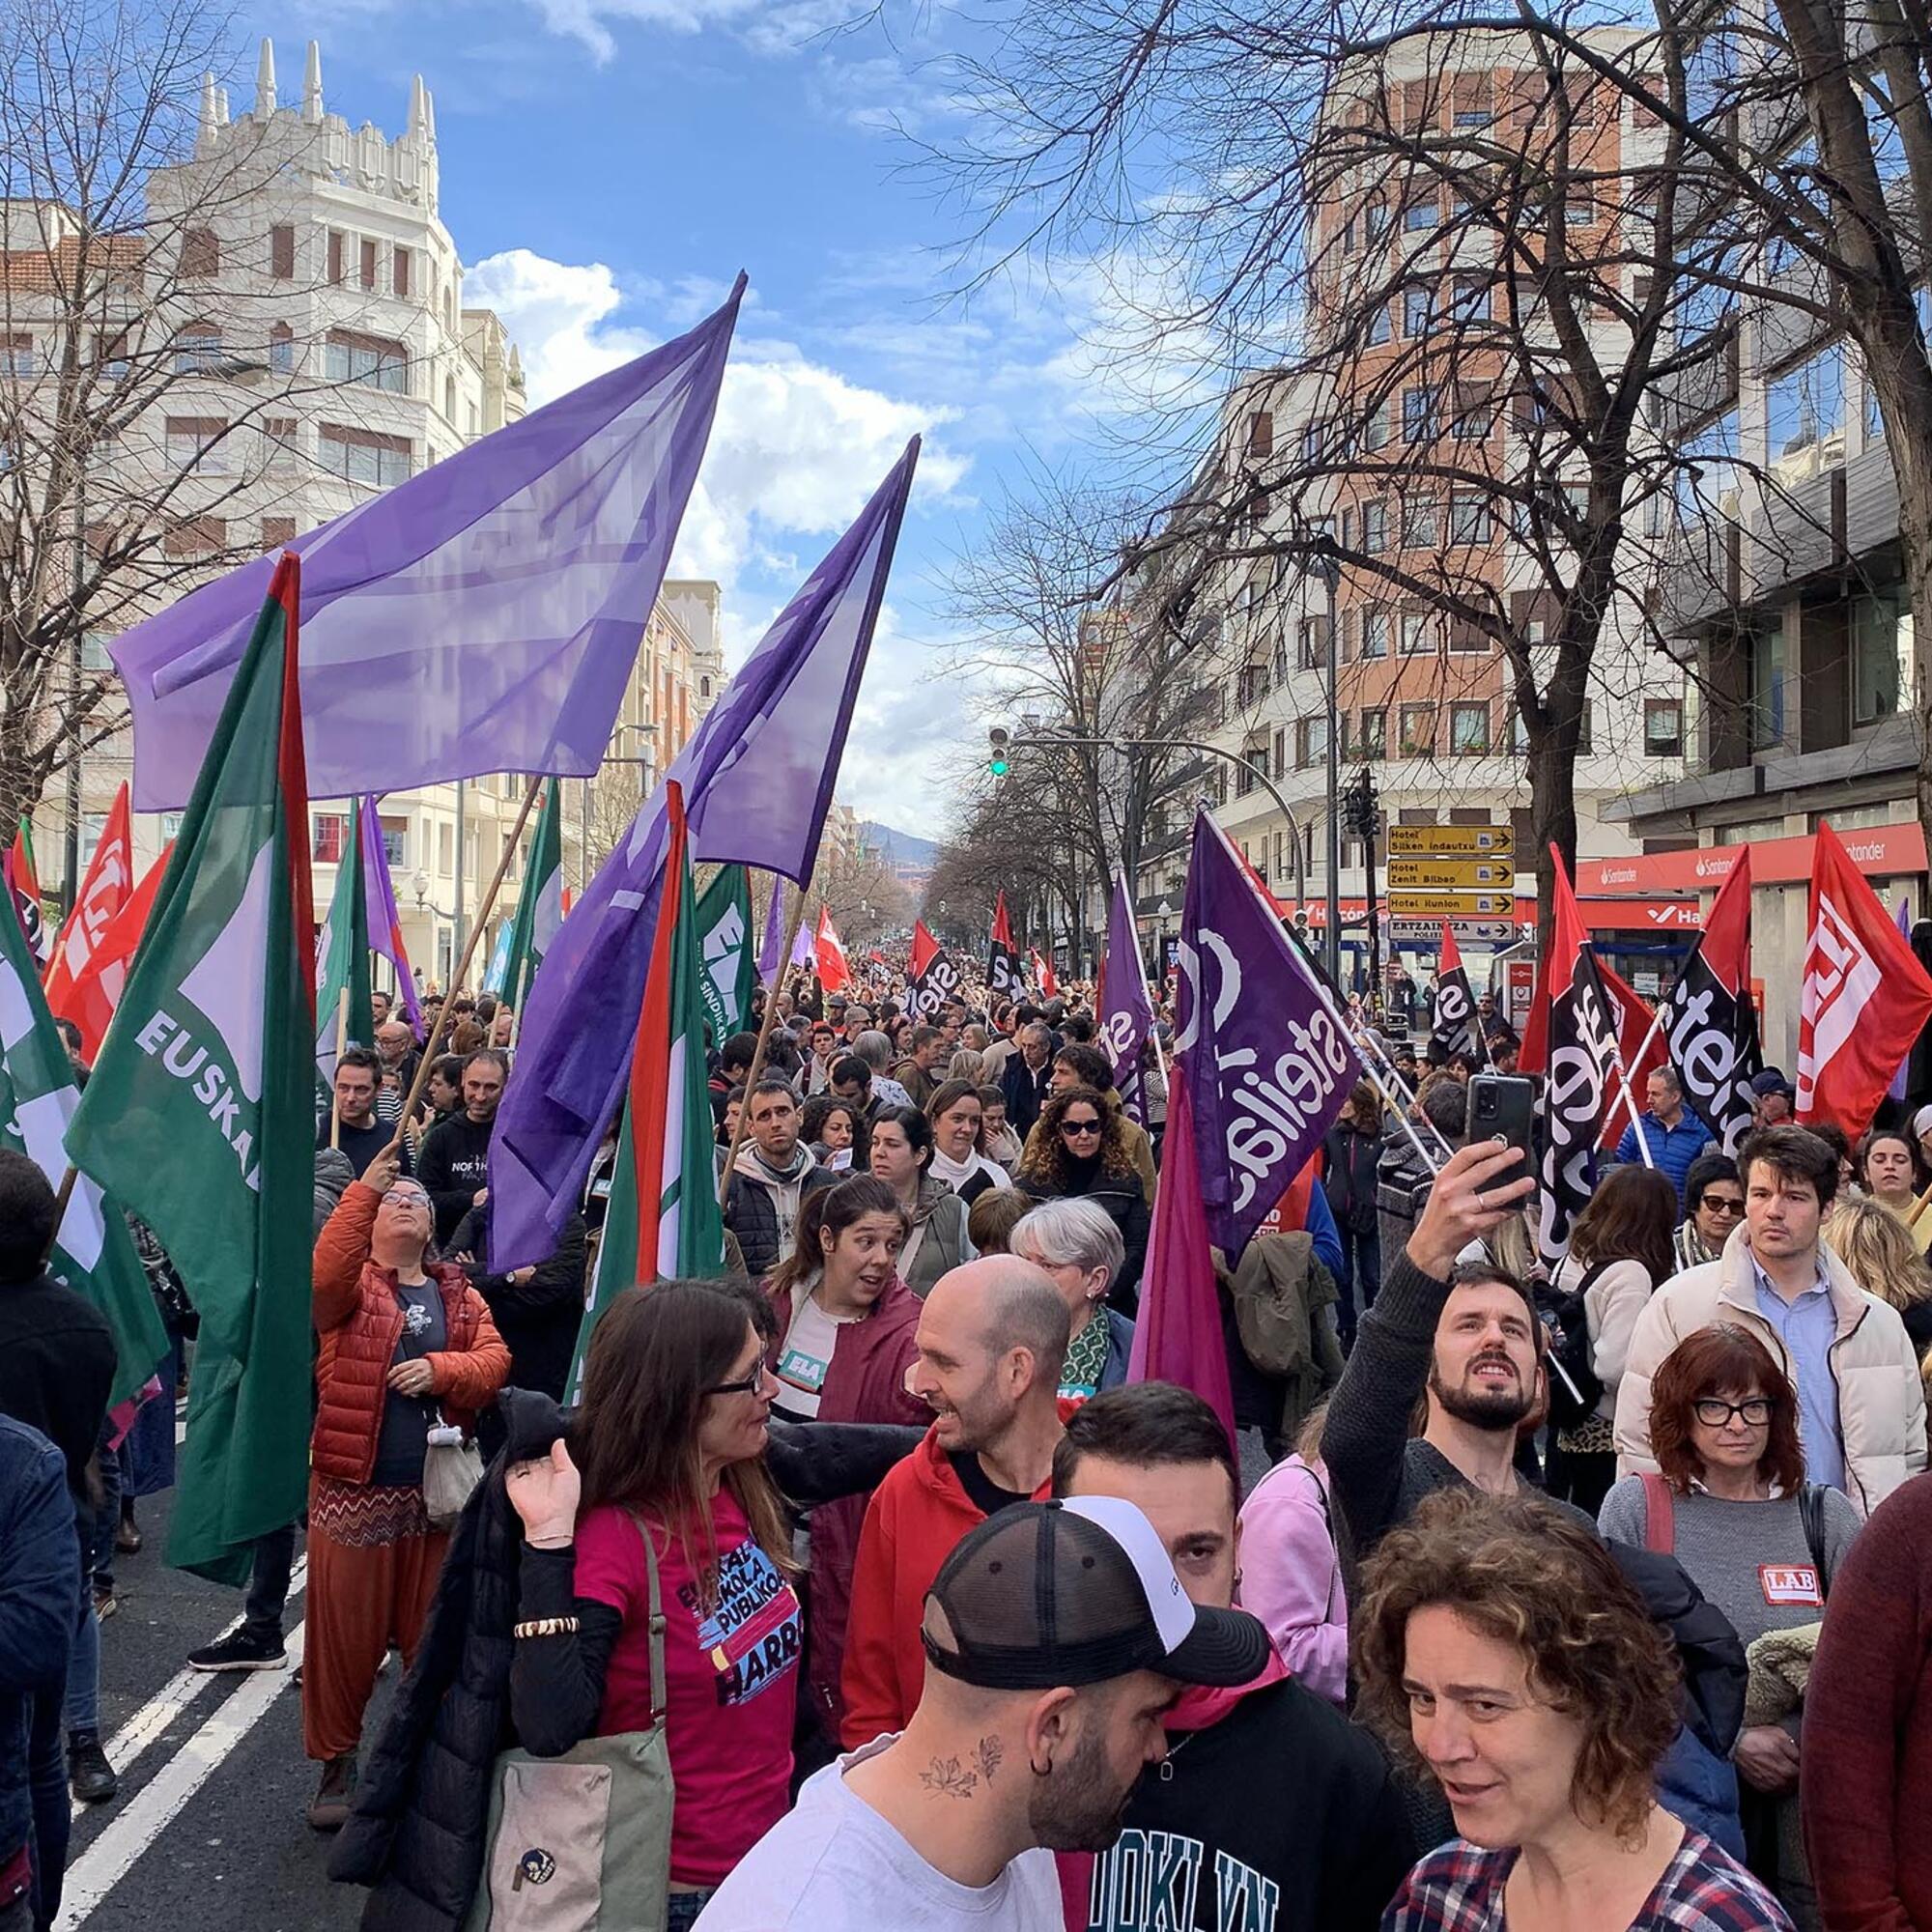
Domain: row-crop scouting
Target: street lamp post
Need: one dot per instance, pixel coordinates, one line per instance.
(1332, 576)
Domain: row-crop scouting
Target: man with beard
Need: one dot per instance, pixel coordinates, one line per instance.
(1463, 1332)
(1057, 1637)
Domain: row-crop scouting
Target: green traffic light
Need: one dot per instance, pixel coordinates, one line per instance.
(998, 767)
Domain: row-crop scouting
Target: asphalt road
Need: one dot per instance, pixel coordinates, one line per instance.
(207, 1833)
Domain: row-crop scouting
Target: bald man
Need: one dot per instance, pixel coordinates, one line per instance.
(992, 1336)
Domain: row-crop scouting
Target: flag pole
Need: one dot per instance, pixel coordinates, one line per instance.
(341, 1041)
(1629, 1107)
(446, 1012)
(758, 1058)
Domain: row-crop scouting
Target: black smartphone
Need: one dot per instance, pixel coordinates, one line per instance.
(1502, 1108)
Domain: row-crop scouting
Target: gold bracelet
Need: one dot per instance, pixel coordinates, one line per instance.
(545, 1626)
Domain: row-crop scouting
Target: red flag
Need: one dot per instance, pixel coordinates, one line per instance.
(91, 999)
(924, 950)
(23, 881)
(1042, 973)
(834, 974)
(1710, 1026)
(1177, 1332)
(103, 892)
(1644, 1050)
(1864, 995)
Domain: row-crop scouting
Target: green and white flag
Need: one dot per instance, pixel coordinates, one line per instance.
(662, 1221)
(93, 1251)
(199, 1116)
(540, 904)
(342, 961)
(731, 966)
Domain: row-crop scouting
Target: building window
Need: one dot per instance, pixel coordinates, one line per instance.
(1664, 727)
(1468, 520)
(1470, 298)
(1375, 528)
(1373, 744)
(348, 357)
(1380, 331)
(1261, 433)
(198, 443)
(200, 255)
(1314, 643)
(282, 349)
(196, 536)
(1469, 729)
(1580, 210)
(1881, 628)
(335, 241)
(277, 532)
(364, 456)
(399, 272)
(1374, 222)
(197, 350)
(395, 840)
(1376, 631)
(110, 356)
(1414, 312)
(1418, 416)
(1418, 523)
(1311, 742)
(1420, 217)
(1806, 403)
(1418, 730)
(16, 357)
(1253, 769)
(94, 651)
(366, 263)
(445, 846)
(1418, 634)
(282, 252)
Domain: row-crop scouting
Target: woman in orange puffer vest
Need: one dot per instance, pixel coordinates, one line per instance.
(405, 1342)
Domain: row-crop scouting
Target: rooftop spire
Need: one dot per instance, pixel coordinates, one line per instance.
(265, 81)
(419, 109)
(312, 85)
(206, 129)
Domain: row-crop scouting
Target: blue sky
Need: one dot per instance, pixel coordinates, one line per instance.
(608, 165)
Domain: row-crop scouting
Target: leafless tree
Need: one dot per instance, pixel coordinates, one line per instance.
(864, 895)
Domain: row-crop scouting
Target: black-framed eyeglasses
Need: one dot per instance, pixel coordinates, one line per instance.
(1714, 1412)
(1072, 1129)
(1720, 1203)
(749, 1385)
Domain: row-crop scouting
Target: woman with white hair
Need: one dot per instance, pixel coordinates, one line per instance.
(1078, 1244)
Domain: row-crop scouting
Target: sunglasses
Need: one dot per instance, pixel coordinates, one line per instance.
(1720, 1203)
(1078, 1130)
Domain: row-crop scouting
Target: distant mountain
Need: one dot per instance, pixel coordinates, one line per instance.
(899, 848)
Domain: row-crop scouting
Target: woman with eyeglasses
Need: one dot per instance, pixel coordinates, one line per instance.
(668, 1445)
(1729, 1500)
(936, 1240)
(1078, 1149)
(1713, 1209)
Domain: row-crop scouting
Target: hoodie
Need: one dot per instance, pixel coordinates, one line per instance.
(916, 1516)
(761, 1206)
(1196, 1853)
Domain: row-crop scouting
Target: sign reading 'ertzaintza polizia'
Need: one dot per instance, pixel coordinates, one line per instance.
(1267, 1063)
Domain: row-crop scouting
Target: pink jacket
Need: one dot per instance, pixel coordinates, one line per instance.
(1292, 1578)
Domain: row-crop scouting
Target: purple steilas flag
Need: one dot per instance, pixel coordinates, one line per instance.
(1266, 1064)
(1128, 1018)
(386, 924)
(805, 947)
(757, 776)
(481, 617)
(771, 954)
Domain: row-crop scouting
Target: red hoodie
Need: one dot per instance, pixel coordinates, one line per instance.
(917, 1515)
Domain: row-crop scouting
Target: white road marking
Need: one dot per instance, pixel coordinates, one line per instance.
(115, 1852)
(153, 1717)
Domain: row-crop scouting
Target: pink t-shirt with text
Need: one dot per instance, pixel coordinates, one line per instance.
(730, 1667)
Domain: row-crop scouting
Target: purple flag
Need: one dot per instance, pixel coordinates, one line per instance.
(805, 946)
(1903, 914)
(1177, 1332)
(757, 776)
(481, 617)
(1126, 1018)
(1265, 1063)
(386, 924)
(771, 954)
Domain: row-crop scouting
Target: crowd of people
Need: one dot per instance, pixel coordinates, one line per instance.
(860, 1586)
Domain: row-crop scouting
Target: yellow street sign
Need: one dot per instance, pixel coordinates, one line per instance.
(1451, 905)
(1434, 874)
(1490, 842)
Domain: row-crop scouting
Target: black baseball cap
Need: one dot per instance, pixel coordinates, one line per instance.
(1077, 1592)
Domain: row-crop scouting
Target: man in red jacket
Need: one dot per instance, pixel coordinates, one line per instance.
(1865, 1782)
(992, 1336)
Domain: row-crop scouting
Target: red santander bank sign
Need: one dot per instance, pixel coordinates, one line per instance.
(1880, 851)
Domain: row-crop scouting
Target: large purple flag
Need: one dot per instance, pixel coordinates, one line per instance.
(757, 777)
(805, 946)
(1266, 1064)
(1178, 1331)
(771, 954)
(1126, 1018)
(385, 924)
(482, 615)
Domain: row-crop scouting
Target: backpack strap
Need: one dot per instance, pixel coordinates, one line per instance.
(1659, 1514)
(1812, 1513)
(657, 1623)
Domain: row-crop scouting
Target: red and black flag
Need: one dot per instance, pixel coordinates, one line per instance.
(931, 977)
(1581, 1030)
(1452, 1018)
(1709, 1023)
(1003, 958)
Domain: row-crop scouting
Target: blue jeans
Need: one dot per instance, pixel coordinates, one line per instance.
(82, 1704)
(684, 1906)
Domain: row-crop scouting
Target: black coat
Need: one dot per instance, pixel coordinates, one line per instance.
(538, 1318)
(56, 1367)
(1121, 1195)
(1025, 1090)
(416, 1836)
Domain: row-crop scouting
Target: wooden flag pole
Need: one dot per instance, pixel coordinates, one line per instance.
(446, 1012)
(758, 1058)
(341, 1041)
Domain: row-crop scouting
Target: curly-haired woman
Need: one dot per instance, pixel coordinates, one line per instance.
(1503, 1653)
(1079, 1148)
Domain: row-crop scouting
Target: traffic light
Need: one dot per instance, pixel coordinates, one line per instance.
(1359, 812)
(997, 763)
